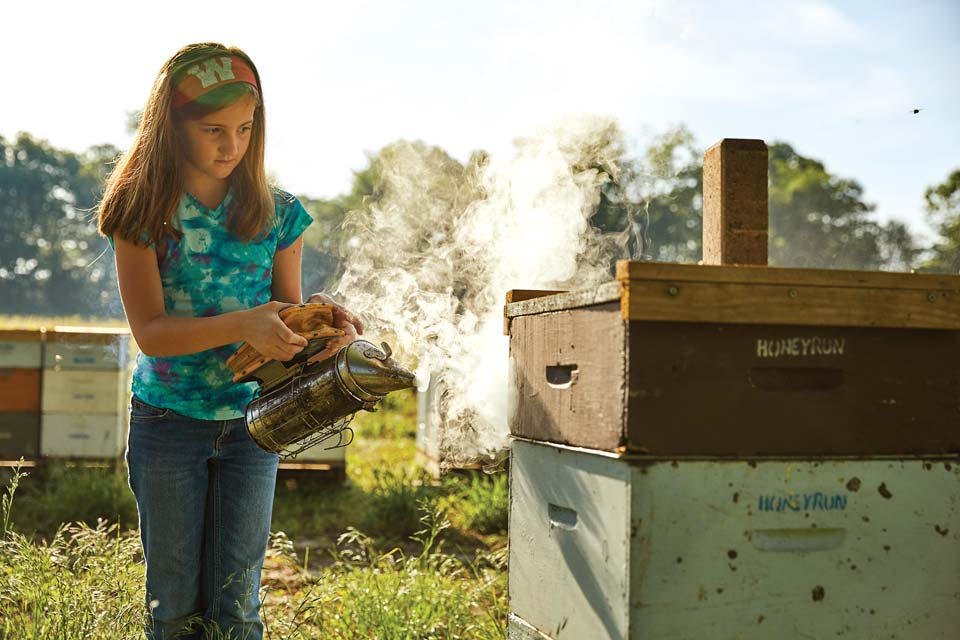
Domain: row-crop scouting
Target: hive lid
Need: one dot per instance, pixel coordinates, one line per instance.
(21, 335)
(741, 294)
(86, 335)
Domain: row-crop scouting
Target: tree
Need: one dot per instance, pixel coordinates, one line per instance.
(325, 240)
(820, 220)
(654, 205)
(943, 212)
(49, 245)
(816, 219)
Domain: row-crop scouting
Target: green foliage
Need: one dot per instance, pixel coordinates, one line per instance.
(391, 595)
(326, 241)
(482, 501)
(654, 204)
(68, 493)
(816, 219)
(395, 417)
(49, 243)
(943, 212)
(87, 582)
(820, 220)
(393, 506)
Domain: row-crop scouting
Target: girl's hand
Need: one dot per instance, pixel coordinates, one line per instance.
(267, 333)
(342, 319)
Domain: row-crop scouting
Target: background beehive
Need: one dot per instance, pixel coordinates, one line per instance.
(86, 381)
(20, 371)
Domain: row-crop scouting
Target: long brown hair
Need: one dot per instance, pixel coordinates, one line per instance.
(144, 189)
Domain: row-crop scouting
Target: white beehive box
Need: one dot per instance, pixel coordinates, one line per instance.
(21, 349)
(335, 457)
(608, 547)
(79, 391)
(85, 392)
(65, 435)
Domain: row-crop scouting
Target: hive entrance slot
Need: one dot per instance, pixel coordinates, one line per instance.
(561, 376)
(561, 517)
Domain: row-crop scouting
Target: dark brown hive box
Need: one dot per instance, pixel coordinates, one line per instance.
(688, 360)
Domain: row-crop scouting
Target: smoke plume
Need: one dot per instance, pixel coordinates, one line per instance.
(429, 260)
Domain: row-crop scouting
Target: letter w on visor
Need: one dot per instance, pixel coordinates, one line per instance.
(210, 74)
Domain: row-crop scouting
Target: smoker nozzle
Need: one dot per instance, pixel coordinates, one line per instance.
(369, 371)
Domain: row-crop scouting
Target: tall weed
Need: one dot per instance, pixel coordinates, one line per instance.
(481, 501)
(70, 493)
(85, 583)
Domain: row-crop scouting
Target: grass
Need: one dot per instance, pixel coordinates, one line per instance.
(389, 554)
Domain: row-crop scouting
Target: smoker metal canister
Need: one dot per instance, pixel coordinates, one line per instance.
(320, 401)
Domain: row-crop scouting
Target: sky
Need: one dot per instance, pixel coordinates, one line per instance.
(837, 80)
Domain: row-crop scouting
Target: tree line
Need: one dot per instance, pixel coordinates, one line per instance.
(53, 262)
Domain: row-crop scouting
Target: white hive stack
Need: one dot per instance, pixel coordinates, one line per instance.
(21, 353)
(86, 382)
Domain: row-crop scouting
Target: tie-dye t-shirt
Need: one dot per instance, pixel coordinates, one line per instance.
(209, 272)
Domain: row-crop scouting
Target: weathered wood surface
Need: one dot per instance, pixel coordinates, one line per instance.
(606, 548)
(519, 295)
(749, 274)
(766, 295)
(569, 376)
(789, 304)
(606, 292)
(586, 378)
(740, 390)
(735, 202)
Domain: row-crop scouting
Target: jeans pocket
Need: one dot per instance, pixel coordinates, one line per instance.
(143, 412)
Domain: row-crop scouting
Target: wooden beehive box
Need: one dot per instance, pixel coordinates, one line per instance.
(607, 546)
(740, 360)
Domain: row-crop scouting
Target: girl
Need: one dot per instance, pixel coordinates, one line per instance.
(207, 254)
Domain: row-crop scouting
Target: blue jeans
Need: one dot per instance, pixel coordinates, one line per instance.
(204, 492)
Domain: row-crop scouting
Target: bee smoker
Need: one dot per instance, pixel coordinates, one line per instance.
(303, 402)
(319, 401)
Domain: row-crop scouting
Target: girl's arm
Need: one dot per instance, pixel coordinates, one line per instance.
(158, 334)
(285, 286)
